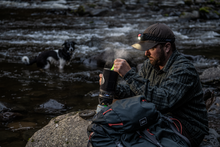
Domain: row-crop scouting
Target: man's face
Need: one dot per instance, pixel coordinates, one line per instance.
(156, 56)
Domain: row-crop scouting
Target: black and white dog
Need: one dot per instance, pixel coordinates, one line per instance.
(58, 58)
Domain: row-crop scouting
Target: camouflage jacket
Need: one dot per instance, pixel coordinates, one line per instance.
(176, 89)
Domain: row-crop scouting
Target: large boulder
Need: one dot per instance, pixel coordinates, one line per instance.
(65, 130)
(71, 130)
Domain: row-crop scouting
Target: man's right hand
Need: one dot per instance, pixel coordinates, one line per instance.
(100, 78)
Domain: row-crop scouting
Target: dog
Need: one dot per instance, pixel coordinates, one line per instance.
(58, 58)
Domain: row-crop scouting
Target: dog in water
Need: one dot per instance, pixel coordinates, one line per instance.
(58, 58)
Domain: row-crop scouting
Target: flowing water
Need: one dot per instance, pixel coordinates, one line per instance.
(29, 27)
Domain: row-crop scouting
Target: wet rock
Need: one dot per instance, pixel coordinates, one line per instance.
(208, 13)
(211, 75)
(117, 3)
(15, 126)
(9, 116)
(190, 15)
(64, 130)
(99, 12)
(175, 13)
(50, 107)
(2, 107)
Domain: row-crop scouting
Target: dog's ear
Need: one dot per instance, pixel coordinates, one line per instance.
(64, 43)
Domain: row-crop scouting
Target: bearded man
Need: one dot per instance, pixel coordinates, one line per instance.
(168, 80)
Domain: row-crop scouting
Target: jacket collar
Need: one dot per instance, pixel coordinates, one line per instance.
(170, 61)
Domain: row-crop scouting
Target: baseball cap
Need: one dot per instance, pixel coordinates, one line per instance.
(153, 35)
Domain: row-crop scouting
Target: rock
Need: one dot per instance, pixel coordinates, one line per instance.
(117, 3)
(210, 75)
(9, 116)
(215, 107)
(15, 126)
(65, 130)
(99, 12)
(2, 107)
(50, 107)
(209, 98)
(190, 15)
(71, 130)
(211, 140)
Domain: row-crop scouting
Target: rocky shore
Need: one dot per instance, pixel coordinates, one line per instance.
(31, 27)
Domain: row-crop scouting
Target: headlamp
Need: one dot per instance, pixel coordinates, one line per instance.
(139, 36)
(145, 37)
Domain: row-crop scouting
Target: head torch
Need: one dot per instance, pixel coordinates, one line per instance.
(145, 37)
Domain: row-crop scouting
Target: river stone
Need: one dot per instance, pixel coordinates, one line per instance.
(98, 12)
(2, 107)
(15, 126)
(210, 75)
(65, 130)
(211, 140)
(71, 130)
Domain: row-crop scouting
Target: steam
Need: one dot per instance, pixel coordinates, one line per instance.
(110, 55)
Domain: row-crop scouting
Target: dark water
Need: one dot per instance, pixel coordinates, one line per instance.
(29, 28)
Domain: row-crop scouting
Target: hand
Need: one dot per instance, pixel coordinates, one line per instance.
(100, 78)
(121, 66)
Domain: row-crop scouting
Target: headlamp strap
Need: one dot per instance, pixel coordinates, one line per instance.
(145, 37)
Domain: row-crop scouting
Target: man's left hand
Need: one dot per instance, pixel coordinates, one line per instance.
(121, 66)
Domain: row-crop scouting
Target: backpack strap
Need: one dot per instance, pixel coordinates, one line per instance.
(150, 137)
(175, 130)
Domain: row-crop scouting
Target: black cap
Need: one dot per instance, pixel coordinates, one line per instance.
(153, 35)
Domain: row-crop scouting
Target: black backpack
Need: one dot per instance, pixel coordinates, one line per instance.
(133, 122)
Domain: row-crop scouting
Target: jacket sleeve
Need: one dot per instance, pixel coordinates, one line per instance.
(172, 90)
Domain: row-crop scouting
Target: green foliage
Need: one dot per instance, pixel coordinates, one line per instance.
(166, 15)
(91, 5)
(32, 140)
(123, 2)
(204, 9)
(216, 12)
(182, 14)
(80, 10)
(151, 4)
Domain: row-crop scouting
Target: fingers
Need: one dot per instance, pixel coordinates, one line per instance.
(121, 66)
(100, 78)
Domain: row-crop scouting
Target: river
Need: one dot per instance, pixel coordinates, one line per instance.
(30, 27)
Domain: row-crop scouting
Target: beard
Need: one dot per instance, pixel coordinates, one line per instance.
(156, 62)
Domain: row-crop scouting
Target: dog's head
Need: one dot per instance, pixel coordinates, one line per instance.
(69, 46)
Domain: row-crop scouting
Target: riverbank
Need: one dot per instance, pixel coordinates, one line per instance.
(103, 31)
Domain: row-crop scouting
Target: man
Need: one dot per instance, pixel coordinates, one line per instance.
(168, 80)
